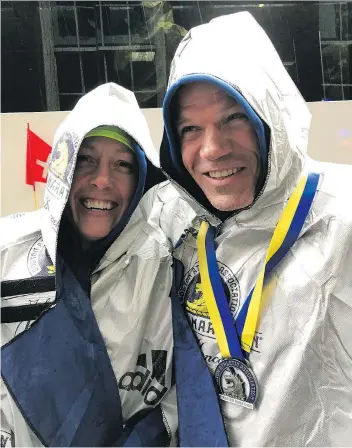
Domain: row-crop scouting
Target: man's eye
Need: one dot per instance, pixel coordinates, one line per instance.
(188, 129)
(240, 116)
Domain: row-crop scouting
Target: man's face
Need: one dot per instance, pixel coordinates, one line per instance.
(219, 146)
(103, 185)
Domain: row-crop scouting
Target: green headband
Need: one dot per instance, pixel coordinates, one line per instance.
(112, 132)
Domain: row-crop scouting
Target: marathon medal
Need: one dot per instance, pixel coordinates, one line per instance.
(237, 383)
(234, 377)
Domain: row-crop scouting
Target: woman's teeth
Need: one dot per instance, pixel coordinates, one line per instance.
(98, 205)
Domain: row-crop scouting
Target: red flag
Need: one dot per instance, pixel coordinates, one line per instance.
(37, 157)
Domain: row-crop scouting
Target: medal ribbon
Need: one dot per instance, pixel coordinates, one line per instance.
(235, 339)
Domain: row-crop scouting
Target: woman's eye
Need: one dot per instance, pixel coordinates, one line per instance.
(128, 167)
(82, 158)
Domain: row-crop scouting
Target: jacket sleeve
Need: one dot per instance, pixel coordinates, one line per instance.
(14, 428)
(169, 411)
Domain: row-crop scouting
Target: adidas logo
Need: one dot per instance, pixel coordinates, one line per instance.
(5, 439)
(150, 383)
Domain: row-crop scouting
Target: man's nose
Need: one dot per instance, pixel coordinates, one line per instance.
(215, 145)
(102, 176)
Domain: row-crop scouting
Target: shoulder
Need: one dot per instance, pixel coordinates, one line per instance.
(333, 196)
(22, 248)
(170, 211)
(329, 226)
(159, 195)
(18, 228)
(335, 179)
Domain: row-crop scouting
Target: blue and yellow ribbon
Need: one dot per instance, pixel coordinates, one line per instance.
(233, 337)
(213, 292)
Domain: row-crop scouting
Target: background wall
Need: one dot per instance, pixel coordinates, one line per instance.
(56, 51)
(330, 141)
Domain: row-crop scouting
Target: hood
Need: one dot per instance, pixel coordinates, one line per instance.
(108, 104)
(234, 52)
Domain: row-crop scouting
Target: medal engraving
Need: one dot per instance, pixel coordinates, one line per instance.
(237, 383)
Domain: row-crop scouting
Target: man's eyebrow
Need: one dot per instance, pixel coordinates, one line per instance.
(181, 120)
(184, 119)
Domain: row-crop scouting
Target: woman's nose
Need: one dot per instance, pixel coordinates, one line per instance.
(102, 177)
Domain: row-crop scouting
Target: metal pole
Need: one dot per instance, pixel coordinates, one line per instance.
(78, 46)
(322, 67)
(130, 43)
(50, 71)
(102, 41)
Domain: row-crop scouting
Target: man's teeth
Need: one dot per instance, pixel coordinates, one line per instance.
(223, 173)
(98, 205)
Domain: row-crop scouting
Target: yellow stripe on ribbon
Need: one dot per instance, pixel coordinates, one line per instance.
(208, 293)
(278, 237)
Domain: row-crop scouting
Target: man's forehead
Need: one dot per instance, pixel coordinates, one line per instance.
(202, 94)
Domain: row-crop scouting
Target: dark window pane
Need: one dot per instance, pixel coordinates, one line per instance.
(146, 100)
(118, 68)
(88, 24)
(190, 15)
(336, 63)
(93, 69)
(68, 102)
(144, 75)
(347, 74)
(292, 71)
(348, 92)
(333, 93)
(68, 72)
(115, 20)
(22, 69)
(66, 23)
(347, 21)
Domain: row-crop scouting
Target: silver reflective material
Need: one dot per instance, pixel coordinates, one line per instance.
(302, 352)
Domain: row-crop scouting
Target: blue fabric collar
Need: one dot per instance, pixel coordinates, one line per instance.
(200, 421)
(60, 376)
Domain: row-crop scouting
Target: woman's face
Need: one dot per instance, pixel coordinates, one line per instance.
(103, 186)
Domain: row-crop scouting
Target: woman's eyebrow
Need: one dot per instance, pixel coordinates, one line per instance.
(87, 145)
(90, 147)
(124, 150)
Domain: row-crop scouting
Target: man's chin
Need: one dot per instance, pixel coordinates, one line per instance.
(230, 204)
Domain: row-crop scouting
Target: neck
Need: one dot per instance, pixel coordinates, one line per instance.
(85, 243)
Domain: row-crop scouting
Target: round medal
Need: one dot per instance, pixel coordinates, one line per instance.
(237, 382)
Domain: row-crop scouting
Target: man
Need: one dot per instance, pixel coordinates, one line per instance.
(259, 212)
(86, 359)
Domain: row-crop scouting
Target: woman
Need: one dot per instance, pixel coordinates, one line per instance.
(82, 367)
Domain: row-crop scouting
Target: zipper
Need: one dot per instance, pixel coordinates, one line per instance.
(166, 424)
